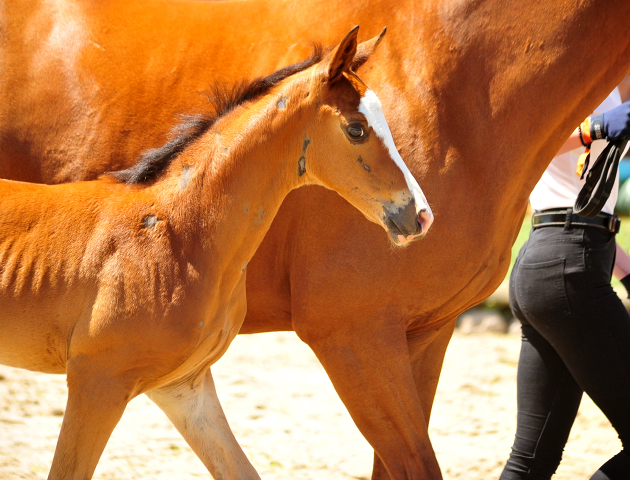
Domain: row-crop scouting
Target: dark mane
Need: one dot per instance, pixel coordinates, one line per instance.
(155, 160)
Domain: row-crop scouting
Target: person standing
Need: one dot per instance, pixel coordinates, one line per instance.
(575, 329)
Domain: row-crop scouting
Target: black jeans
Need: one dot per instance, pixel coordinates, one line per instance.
(576, 337)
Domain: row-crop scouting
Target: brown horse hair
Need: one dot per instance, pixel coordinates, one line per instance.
(155, 160)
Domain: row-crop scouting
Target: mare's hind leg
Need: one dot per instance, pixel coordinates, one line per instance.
(193, 407)
(95, 404)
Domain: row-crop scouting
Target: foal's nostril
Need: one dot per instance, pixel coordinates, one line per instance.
(419, 221)
(424, 220)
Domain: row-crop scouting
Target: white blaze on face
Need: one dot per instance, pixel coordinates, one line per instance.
(370, 107)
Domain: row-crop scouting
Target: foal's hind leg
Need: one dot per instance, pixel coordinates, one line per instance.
(193, 407)
(95, 405)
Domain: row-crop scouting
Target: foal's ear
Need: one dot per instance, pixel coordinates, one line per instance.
(340, 59)
(365, 50)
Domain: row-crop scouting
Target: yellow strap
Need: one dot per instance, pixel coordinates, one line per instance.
(582, 163)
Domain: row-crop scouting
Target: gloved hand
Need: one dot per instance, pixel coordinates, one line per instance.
(612, 124)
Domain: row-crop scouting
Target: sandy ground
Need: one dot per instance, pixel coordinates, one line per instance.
(291, 423)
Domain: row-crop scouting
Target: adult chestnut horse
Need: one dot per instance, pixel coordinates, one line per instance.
(138, 285)
(479, 96)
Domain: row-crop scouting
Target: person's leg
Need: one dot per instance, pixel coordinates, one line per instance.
(576, 310)
(547, 395)
(615, 468)
(605, 374)
(548, 399)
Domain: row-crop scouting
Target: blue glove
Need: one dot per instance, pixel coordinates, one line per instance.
(612, 124)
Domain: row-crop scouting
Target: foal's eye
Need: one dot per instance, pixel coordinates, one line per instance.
(356, 131)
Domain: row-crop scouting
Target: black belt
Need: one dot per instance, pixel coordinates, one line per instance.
(566, 217)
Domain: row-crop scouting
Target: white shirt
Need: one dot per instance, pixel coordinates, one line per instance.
(559, 186)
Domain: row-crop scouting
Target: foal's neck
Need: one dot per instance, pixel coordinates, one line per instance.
(231, 183)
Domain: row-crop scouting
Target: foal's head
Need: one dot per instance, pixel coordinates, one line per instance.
(350, 149)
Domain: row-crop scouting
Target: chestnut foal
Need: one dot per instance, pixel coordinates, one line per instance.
(135, 283)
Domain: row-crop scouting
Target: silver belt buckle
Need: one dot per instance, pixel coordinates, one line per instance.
(613, 221)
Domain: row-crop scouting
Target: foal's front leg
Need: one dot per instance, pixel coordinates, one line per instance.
(193, 407)
(95, 404)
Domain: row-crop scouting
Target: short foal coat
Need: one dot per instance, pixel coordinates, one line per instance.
(139, 285)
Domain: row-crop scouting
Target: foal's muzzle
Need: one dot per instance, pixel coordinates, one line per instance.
(408, 224)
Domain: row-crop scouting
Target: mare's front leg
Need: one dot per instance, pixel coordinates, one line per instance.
(426, 352)
(193, 407)
(368, 362)
(96, 401)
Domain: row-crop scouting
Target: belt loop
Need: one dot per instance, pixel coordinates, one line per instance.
(567, 222)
